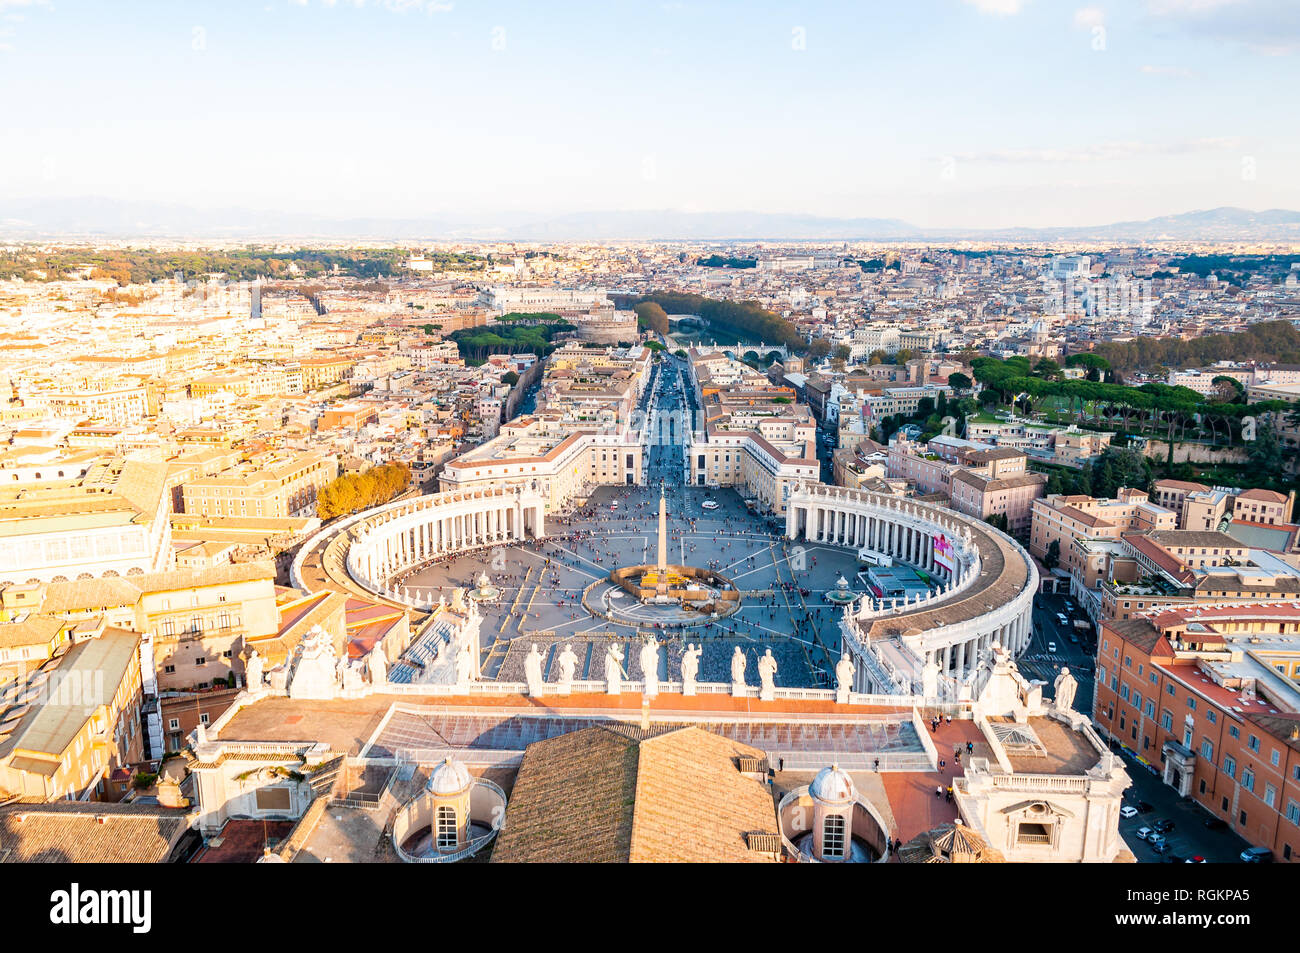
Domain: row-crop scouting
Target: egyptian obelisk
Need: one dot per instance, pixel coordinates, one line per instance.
(661, 567)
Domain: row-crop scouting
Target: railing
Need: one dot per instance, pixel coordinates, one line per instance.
(470, 849)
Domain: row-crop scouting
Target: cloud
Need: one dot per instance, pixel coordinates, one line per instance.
(1266, 27)
(393, 6)
(997, 8)
(1103, 151)
(11, 4)
(1178, 71)
(1085, 18)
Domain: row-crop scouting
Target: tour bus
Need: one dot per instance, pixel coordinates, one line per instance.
(872, 558)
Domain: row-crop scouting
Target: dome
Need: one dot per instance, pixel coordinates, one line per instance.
(833, 785)
(450, 777)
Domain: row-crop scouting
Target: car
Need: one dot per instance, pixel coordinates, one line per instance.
(1144, 833)
(1051, 646)
(1143, 807)
(1158, 844)
(1164, 826)
(1256, 855)
(1128, 811)
(709, 505)
(1195, 859)
(1215, 823)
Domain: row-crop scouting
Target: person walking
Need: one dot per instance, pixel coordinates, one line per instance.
(938, 790)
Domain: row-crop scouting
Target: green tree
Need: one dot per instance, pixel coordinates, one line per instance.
(1052, 558)
(960, 383)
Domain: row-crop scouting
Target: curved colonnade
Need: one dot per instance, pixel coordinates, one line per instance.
(393, 538)
(985, 595)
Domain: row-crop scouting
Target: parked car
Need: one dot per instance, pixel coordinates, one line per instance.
(1215, 823)
(1143, 807)
(1051, 646)
(1158, 844)
(1164, 826)
(709, 505)
(1128, 811)
(1197, 859)
(1257, 855)
(1144, 833)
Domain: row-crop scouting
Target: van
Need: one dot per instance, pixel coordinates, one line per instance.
(1256, 855)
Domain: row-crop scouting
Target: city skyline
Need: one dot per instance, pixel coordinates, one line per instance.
(409, 109)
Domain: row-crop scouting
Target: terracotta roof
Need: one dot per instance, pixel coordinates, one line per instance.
(100, 833)
(609, 795)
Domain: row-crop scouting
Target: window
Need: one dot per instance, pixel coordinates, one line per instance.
(173, 724)
(1253, 743)
(1273, 758)
(1167, 720)
(1191, 703)
(447, 839)
(169, 669)
(1234, 731)
(1172, 690)
(200, 660)
(203, 718)
(1293, 812)
(1230, 766)
(1207, 749)
(1248, 779)
(1211, 715)
(1270, 795)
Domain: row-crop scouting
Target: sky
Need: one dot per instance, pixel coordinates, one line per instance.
(942, 113)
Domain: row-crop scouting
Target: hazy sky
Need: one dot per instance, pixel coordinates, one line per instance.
(963, 113)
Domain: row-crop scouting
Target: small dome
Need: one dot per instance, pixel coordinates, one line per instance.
(833, 785)
(450, 777)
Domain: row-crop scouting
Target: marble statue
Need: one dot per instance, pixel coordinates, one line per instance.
(318, 672)
(567, 662)
(650, 666)
(614, 669)
(378, 667)
(533, 671)
(464, 665)
(690, 668)
(1066, 686)
(253, 672)
(738, 663)
(844, 672)
(930, 679)
(767, 676)
(352, 683)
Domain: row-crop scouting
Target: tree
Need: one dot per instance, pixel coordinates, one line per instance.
(818, 349)
(1052, 558)
(843, 352)
(960, 383)
(510, 377)
(1229, 389)
(652, 316)
(902, 356)
(1117, 467)
(1047, 369)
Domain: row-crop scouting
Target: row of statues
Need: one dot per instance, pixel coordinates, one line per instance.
(615, 674)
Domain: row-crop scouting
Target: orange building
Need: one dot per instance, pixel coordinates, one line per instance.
(1208, 696)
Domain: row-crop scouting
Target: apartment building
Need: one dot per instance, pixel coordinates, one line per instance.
(82, 722)
(1207, 696)
(1061, 518)
(277, 484)
(112, 521)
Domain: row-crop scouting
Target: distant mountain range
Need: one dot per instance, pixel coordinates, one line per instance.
(104, 219)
